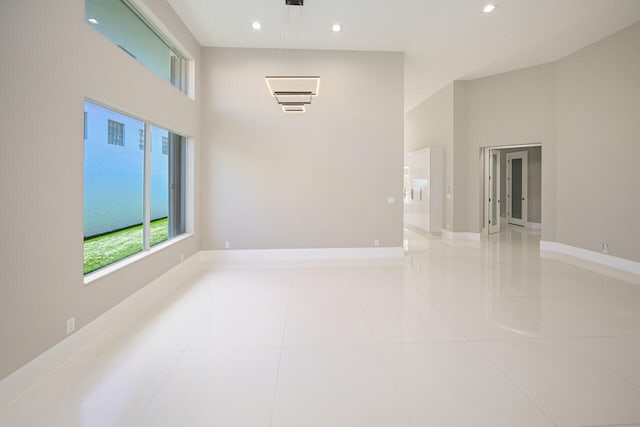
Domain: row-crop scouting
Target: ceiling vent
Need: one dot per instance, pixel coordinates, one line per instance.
(294, 2)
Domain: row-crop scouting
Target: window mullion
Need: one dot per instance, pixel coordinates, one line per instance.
(146, 219)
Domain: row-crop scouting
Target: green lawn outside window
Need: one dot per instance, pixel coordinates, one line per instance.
(108, 248)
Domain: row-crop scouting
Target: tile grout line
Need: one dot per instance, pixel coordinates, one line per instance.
(184, 287)
(594, 361)
(36, 385)
(449, 319)
(368, 323)
(378, 347)
(284, 330)
(153, 395)
(182, 353)
(512, 382)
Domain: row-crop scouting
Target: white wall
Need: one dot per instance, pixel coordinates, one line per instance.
(315, 180)
(599, 146)
(51, 61)
(584, 110)
(430, 124)
(464, 165)
(513, 108)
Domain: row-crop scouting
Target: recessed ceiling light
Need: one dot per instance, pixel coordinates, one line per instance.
(489, 8)
(256, 26)
(336, 28)
(93, 20)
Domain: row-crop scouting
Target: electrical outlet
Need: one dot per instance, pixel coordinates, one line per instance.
(605, 248)
(71, 325)
(376, 243)
(227, 245)
(391, 200)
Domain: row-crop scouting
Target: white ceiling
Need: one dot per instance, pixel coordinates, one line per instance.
(443, 40)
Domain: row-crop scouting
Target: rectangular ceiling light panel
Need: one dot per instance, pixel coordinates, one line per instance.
(293, 108)
(297, 84)
(293, 98)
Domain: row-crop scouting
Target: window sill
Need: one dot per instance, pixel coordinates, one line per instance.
(116, 266)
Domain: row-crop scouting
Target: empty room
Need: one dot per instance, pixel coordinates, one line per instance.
(287, 213)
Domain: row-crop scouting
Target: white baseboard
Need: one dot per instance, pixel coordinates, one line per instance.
(590, 259)
(422, 232)
(450, 235)
(300, 254)
(534, 225)
(116, 319)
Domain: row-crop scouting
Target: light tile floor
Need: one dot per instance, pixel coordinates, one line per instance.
(454, 334)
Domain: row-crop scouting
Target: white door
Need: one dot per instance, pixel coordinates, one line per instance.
(494, 191)
(421, 190)
(406, 199)
(517, 188)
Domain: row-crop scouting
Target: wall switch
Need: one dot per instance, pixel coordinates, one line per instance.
(376, 243)
(227, 245)
(447, 227)
(605, 248)
(71, 325)
(391, 200)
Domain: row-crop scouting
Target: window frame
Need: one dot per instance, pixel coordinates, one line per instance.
(187, 184)
(165, 145)
(182, 66)
(115, 133)
(141, 139)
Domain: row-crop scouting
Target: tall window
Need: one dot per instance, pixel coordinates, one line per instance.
(114, 187)
(122, 23)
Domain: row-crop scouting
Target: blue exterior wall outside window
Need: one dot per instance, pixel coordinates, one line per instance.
(113, 174)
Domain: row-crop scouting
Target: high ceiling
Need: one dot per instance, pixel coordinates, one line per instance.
(443, 40)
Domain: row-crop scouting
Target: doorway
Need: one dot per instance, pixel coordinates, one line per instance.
(517, 185)
(511, 187)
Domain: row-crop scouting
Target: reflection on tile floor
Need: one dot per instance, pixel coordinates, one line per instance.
(454, 334)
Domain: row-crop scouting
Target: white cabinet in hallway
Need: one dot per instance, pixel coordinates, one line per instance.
(423, 190)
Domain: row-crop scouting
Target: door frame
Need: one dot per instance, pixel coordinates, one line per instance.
(483, 178)
(493, 228)
(524, 156)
